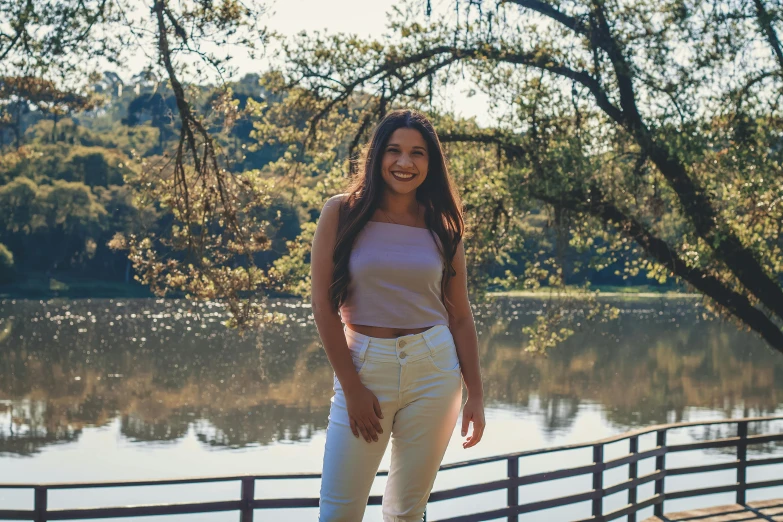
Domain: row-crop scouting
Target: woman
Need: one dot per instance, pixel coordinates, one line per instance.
(388, 263)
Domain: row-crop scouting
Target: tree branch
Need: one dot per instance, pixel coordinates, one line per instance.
(513, 150)
(548, 10)
(594, 204)
(764, 20)
(658, 249)
(601, 37)
(692, 196)
(454, 54)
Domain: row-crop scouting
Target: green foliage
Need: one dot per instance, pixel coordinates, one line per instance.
(62, 219)
(52, 224)
(93, 166)
(70, 207)
(19, 201)
(611, 158)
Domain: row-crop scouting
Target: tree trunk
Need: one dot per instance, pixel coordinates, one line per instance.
(737, 304)
(695, 201)
(765, 23)
(18, 127)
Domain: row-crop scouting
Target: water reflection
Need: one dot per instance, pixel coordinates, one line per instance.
(164, 367)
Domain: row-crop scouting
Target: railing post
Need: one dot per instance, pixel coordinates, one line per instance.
(512, 497)
(598, 481)
(40, 504)
(248, 495)
(633, 473)
(660, 467)
(742, 461)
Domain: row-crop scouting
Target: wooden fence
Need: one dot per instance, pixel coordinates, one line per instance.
(247, 503)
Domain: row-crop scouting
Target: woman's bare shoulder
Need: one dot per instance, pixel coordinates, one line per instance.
(331, 208)
(335, 201)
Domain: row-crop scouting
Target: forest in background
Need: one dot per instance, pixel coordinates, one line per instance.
(64, 174)
(65, 170)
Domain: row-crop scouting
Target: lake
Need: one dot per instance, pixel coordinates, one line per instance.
(115, 389)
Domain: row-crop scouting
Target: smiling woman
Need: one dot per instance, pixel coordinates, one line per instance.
(405, 160)
(388, 263)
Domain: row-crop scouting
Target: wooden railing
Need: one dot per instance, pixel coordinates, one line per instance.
(511, 483)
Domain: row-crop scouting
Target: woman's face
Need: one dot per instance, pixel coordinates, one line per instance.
(405, 161)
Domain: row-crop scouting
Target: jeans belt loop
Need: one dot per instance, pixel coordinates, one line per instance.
(363, 349)
(430, 344)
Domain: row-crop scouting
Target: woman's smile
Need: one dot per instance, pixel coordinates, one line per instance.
(403, 176)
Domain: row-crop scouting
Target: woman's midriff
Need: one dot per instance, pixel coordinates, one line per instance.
(383, 331)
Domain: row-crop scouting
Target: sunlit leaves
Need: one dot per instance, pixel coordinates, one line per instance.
(581, 133)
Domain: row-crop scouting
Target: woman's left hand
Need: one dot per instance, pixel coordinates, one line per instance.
(473, 411)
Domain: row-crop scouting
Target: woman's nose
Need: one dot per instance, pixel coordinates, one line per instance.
(404, 160)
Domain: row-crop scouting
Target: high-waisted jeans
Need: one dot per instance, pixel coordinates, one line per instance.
(418, 381)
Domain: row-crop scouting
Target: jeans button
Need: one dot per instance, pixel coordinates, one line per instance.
(402, 344)
(403, 355)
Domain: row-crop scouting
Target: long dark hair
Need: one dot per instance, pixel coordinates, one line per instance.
(441, 202)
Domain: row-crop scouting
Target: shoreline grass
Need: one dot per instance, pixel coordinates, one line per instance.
(41, 286)
(631, 292)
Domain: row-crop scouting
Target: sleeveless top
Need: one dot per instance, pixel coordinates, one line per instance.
(395, 272)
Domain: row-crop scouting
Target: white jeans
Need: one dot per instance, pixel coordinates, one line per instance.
(418, 382)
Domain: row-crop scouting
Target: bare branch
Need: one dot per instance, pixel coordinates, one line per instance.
(575, 24)
(764, 20)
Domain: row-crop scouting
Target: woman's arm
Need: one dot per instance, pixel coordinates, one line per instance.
(363, 407)
(463, 329)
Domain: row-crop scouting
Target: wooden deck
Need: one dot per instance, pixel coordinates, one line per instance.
(765, 510)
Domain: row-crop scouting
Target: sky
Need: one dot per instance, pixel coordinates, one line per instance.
(365, 18)
(368, 18)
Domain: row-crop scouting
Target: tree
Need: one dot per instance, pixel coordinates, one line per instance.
(47, 40)
(644, 122)
(160, 111)
(18, 203)
(21, 94)
(52, 225)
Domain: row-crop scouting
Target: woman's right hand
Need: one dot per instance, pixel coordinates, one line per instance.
(364, 410)
(365, 413)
